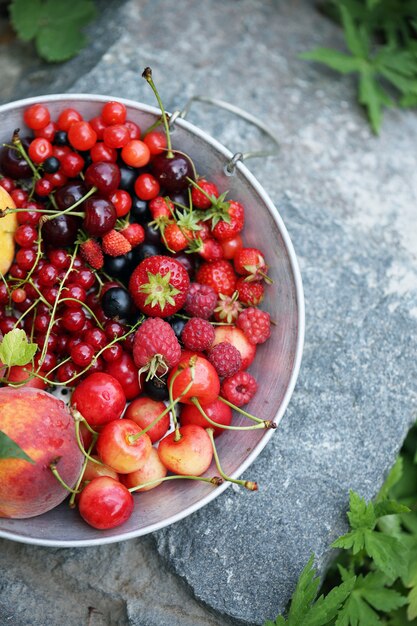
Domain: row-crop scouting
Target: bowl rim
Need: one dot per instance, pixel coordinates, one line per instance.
(299, 293)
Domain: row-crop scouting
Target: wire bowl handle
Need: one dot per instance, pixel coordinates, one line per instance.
(230, 167)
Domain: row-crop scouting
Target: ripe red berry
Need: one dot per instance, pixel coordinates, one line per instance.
(197, 334)
(225, 358)
(136, 153)
(256, 324)
(146, 187)
(219, 275)
(114, 244)
(200, 199)
(37, 116)
(39, 150)
(134, 233)
(156, 348)
(113, 113)
(201, 301)
(99, 398)
(91, 252)
(81, 136)
(105, 503)
(239, 389)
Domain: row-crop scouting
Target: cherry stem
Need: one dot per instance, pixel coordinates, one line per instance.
(248, 484)
(147, 75)
(215, 480)
(83, 468)
(249, 415)
(53, 468)
(69, 210)
(261, 424)
(78, 419)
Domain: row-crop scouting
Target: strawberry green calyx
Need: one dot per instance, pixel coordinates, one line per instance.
(159, 290)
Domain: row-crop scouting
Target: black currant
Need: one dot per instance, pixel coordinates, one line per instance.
(117, 303)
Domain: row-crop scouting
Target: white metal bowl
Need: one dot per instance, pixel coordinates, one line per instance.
(276, 364)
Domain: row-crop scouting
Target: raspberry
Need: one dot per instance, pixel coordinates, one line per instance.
(225, 358)
(197, 334)
(239, 389)
(114, 244)
(91, 252)
(155, 348)
(255, 324)
(201, 301)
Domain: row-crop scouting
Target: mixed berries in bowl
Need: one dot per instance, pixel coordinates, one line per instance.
(154, 294)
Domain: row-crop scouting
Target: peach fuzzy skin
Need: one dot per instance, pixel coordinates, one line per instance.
(8, 225)
(43, 427)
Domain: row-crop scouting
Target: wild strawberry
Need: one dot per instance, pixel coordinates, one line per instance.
(250, 262)
(134, 233)
(197, 334)
(114, 244)
(204, 194)
(219, 275)
(225, 358)
(210, 250)
(230, 223)
(200, 301)
(91, 252)
(161, 207)
(239, 388)
(175, 238)
(228, 308)
(159, 286)
(255, 324)
(155, 348)
(250, 294)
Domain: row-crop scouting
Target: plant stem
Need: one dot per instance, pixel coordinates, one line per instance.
(248, 484)
(147, 75)
(215, 480)
(261, 424)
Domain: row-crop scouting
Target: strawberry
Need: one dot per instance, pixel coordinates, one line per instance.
(175, 238)
(91, 252)
(250, 262)
(114, 244)
(155, 348)
(134, 233)
(231, 221)
(159, 286)
(219, 275)
(203, 194)
(161, 207)
(250, 294)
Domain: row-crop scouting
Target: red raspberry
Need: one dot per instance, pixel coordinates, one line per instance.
(250, 294)
(256, 324)
(219, 275)
(225, 358)
(197, 334)
(91, 252)
(155, 348)
(239, 389)
(114, 244)
(201, 301)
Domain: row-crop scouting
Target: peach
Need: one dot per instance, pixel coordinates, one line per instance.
(8, 225)
(43, 427)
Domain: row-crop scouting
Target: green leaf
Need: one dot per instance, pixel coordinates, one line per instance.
(327, 607)
(388, 553)
(370, 98)
(304, 594)
(390, 507)
(354, 38)
(24, 16)
(15, 348)
(402, 83)
(56, 25)
(338, 61)
(394, 476)
(9, 449)
(361, 514)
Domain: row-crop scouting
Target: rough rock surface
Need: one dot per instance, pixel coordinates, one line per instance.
(348, 200)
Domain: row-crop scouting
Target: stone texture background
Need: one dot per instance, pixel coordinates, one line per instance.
(349, 201)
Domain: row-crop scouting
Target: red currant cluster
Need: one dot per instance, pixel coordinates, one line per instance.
(130, 275)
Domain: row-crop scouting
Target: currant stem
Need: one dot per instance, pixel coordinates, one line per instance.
(147, 75)
(261, 424)
(248, 484)
(69, 210)
(215, 480)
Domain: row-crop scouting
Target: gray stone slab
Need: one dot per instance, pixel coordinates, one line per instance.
(348, 200)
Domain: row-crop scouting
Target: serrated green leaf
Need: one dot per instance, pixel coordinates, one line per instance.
(326, 607)
(380, 597)
(369, 97)
(356, 612)
(394, 476)
(304, 594)
(353, 540)
(55, 49)
(390, 507)
(388, 553)
(9, 449)
(360, 514)
(15, 348)
(24, 16)
(354, 38)
(338, 61)
(402, 83)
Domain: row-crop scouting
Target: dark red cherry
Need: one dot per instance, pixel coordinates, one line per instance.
(69, 194)
(105, 176)
(172, 173)
(100, 216)
(60, 232)
(12, 164)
